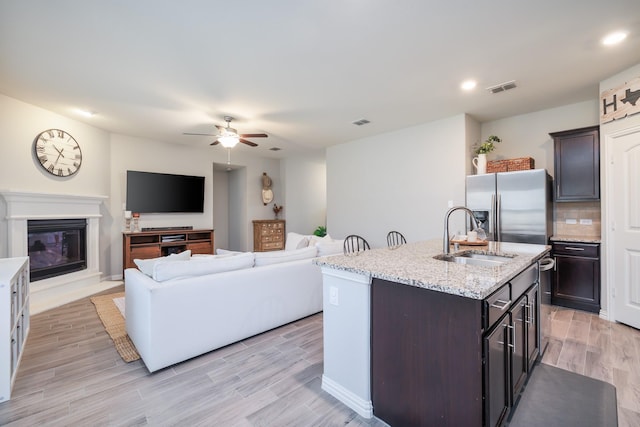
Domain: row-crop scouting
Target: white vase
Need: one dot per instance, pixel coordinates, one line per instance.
(480, 164)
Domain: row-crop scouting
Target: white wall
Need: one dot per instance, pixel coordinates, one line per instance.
(397, 181)
(21, 123)
(607, 205)
(305, 179)
(527, 135)
(242, 196)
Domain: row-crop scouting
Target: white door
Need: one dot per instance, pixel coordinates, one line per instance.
(626, 234)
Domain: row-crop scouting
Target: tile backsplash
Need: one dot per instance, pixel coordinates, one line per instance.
(567, 219)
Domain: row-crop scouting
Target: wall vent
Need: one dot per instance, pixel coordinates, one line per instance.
(275, 149)
(361, 122)
(502, 87)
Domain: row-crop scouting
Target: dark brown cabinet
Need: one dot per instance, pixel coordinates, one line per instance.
(442, 359)
(510, 350)
(577, 164)
(576, 279)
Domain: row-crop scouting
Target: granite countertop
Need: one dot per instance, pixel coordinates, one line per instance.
(413, 264)
(578, 239)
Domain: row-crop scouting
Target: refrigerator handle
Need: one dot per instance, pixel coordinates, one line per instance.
(498, 208)
(492, 218)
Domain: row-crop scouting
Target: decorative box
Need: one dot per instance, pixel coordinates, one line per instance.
(494, 166)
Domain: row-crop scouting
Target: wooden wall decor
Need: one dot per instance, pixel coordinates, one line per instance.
(620, 102)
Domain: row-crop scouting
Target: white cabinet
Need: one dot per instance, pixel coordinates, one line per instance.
(14, 320)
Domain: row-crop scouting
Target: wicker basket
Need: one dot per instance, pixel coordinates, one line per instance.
(494, 166)
(509, 165)
(520, 164)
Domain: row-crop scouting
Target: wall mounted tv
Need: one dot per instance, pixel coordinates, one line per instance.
(149, 192)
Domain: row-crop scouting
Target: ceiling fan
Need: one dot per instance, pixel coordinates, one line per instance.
(229, 137)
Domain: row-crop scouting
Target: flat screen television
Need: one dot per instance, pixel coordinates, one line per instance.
(150, 192)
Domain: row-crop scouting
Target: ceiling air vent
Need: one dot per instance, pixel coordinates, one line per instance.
(275, 149)
(502, 87)
(361, 122)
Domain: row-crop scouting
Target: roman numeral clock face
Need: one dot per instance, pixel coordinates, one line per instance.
(58, 152)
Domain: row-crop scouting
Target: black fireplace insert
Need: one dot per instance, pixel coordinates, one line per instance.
(56, 247)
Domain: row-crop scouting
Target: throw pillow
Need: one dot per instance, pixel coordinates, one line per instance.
(146, 265)
(276, 257)
(295, 241)
(332, 247)
(201, 266)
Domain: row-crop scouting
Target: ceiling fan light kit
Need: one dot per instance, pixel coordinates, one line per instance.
(229, 137)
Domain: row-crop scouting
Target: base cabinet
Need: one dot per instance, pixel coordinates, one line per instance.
(445, 360)
(14, 324)
(510, 350)
(576, 279)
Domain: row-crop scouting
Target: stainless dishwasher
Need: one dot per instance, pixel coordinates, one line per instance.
(545, 270)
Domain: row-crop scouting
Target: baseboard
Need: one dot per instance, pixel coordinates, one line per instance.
(362, 407)
(604, 314)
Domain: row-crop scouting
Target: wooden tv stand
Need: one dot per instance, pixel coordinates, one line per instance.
(154, 244)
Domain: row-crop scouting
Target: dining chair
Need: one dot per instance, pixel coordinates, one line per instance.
(354, 244)
(395, 239)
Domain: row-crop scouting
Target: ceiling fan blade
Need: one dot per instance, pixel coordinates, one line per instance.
(245, 141)
(215, 142)
(200, 134)
(253, 135)
(220, 128)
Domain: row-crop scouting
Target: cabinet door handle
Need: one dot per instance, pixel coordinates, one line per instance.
(502, 342)
(527, 314)
(513, 338)
(573, 248)
(504, 305)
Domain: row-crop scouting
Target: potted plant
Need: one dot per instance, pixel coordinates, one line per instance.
(480, 162)
(321, 231)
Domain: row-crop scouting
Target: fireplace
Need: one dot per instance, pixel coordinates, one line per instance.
(26, 208)
(56, 247)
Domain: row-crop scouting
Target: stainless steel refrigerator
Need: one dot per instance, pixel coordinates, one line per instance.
(513, 206)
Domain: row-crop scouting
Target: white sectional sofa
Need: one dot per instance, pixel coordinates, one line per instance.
(194, 306)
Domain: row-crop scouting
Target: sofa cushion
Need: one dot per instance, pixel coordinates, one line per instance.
(146, 265)
(200, 266)
(296, 241)
(276, 257)
(227, 252)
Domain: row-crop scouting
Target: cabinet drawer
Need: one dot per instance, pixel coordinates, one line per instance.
(496, 305)
(272, 246)
(200, 248)
(588, 250)
(523, 281)
(145, 252)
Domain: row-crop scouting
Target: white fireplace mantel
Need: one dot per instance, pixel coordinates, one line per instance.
(22, 206)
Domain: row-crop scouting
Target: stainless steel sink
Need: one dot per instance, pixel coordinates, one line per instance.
(474, 258)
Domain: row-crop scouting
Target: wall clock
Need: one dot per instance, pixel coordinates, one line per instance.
(57, 152)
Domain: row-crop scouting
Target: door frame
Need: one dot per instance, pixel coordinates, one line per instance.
(607, 272)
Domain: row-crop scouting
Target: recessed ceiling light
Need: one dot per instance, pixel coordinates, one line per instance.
(614, 38)
(468, 84)
(85, 113)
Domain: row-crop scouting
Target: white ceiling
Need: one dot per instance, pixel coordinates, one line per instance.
(302, 71)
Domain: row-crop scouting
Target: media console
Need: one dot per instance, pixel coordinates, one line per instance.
(154, 244)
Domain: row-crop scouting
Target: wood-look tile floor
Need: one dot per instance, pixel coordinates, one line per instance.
(584, 343)
(71, 375)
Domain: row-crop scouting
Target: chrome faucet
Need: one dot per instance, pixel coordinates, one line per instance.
(445, 239)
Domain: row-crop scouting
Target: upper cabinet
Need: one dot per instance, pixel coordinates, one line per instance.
(577, 164)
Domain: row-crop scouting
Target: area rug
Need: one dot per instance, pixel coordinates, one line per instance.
(556, 397)
(114, 324)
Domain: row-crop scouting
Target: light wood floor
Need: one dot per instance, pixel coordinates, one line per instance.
(71, 375)
(584, 343)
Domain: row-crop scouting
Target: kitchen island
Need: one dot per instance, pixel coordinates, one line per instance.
(418, 341)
